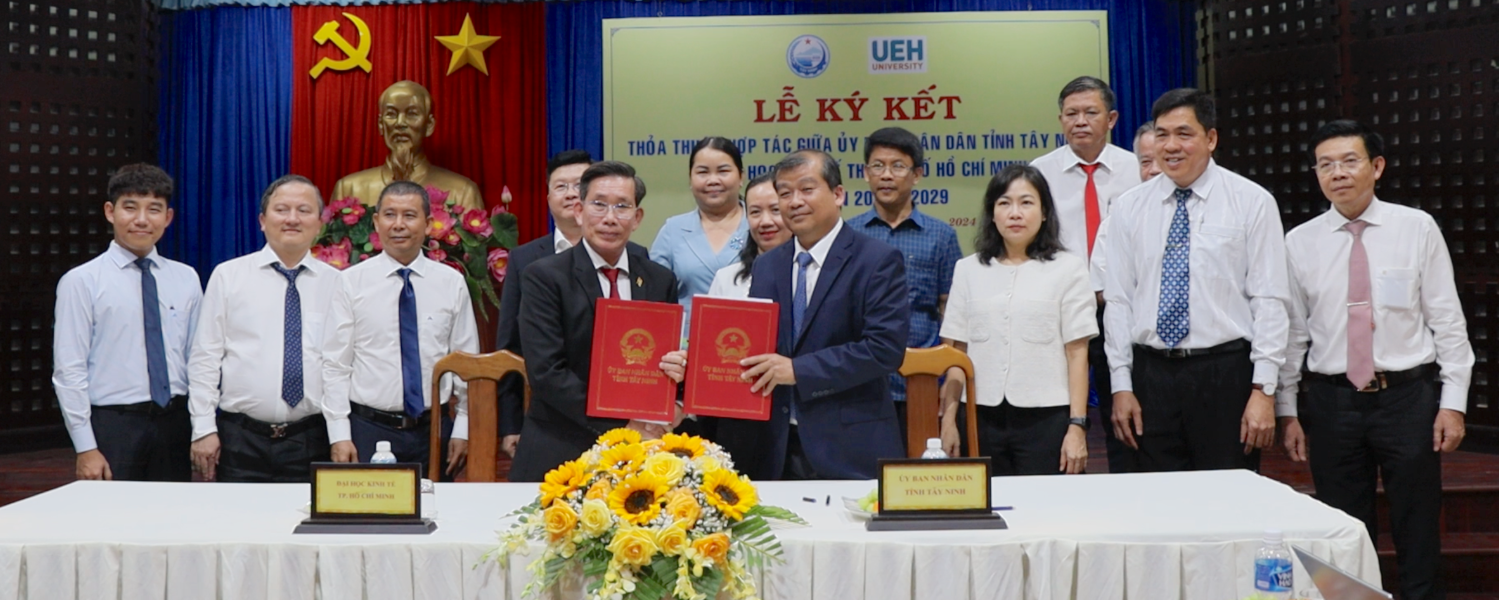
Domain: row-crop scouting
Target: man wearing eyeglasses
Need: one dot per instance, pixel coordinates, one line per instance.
(556, 319)
(1374, 310)
(893, 166)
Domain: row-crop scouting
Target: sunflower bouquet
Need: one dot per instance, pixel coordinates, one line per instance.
(648, 520)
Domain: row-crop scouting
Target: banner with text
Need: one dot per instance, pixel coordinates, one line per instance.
(979, 89)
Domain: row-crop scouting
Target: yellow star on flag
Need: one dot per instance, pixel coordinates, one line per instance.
(468, 47)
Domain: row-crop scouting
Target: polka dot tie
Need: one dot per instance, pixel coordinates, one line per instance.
(1171, 316)
(291, 354)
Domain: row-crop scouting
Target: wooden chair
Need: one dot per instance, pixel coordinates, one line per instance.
(922, 368)
(483, 373)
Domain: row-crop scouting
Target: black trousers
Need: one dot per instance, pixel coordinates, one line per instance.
(251, 457)
(798, 466)
(144, 443)
(1018, 441)
(1122, 458)
(409, 445)
(1191, 409)
(1355, 438)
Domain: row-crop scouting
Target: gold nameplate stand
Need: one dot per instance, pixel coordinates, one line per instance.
(364, 498)
(932, 494)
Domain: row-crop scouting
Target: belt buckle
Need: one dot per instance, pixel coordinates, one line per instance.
(1379, 383)
(1178, 353)
(278, 431)
(407, 422)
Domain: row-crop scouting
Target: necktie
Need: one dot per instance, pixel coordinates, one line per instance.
(1090, 205)
(612, 274)
(291, 345)
(1171, 315)
(411, 356)
(1360, 313)
(799, 300)
(156, 349)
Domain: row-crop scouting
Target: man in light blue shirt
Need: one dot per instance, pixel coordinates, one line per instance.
(121, 341)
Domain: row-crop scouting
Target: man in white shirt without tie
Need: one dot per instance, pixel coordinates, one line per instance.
(392, 318)
(256, 367)
(1196, 291)
(1385, 386)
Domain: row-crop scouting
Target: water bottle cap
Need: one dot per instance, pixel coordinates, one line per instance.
(382, 446)
(1273, 536)
(934, 443)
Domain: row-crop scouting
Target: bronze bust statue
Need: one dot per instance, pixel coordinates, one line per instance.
(405, 122)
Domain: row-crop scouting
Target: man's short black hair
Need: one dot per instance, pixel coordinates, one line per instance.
(406, 188)
(1087, 84)
(1373, 143)
(568, 157)
(898, 139)
(270, 190)
(800, 158)
(140, 179)
(1201, 102)
(611, 168)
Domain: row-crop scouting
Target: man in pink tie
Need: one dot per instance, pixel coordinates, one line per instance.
(1375, 313)
(1085, 177)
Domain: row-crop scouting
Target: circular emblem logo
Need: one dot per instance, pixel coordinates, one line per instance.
(637, 347)
(808, 56)
(733, 345)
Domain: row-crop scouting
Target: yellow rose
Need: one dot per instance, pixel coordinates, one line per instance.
(599, 490)
(683, 507)
(667, 466)
(559, 520)
(715, 546)
(633, 546)
(672, 540)
(596, 518)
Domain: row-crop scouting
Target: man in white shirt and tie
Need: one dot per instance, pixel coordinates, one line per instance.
(391, 319)
(1085, 177)
(1374, 311)
(256, 369)
(1196, 291)
(121, 341)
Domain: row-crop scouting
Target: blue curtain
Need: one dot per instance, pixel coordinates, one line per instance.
(1150, 49)
(225, 124)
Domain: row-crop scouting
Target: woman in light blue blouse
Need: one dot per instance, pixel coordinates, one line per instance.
(697, 244)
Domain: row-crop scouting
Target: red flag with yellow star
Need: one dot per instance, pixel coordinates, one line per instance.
(481, 65)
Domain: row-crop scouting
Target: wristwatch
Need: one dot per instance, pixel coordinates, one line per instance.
(1267, 388)
(1079, 421)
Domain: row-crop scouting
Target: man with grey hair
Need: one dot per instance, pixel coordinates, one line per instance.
(256, 397)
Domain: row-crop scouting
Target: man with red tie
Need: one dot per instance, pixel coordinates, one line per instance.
(1374, 310)
(1085, 176)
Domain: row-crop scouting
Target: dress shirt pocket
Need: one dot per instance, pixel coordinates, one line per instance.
(979, 323)
(1396, 289)
(1222, 246)
(1039, 321)
(312, 329)
(437, 326)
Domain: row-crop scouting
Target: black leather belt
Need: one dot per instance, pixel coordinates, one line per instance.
(1226, 347)
(274, 431)
(1382, 380)
(398, 420)
(175, 404)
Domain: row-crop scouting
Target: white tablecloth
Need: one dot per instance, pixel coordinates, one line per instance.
(1172, 536)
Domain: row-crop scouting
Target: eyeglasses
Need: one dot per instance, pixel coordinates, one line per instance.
(563, 187)
(1347, 165)
(896, 169)
(599, 209)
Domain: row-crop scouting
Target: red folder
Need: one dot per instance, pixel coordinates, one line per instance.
(629, 339)
(725, 331)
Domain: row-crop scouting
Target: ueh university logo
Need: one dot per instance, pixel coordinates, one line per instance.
(905, 54)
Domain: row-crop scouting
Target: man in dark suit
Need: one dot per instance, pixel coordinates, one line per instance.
(556, 319)
(843, 326)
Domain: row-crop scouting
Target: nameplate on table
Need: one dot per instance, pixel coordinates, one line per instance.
(366, 498)
(948, 493)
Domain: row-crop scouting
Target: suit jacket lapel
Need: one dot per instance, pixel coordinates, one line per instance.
(588, 278)
(826, 277)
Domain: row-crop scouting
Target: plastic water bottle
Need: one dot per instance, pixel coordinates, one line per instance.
(934, 449)
(1272, 567)
(382, 455)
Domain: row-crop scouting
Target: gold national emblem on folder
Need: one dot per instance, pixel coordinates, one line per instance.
(637, 346)
(733, 345)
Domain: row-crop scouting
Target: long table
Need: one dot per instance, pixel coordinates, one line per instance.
(1166, 536)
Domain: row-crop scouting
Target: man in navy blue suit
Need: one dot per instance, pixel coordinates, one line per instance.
(843, 326)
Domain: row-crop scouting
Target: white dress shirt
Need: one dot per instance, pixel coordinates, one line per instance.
(1118, 171)
(362, 338)
(1237, 271)
(1016, 320)
(99, 340)
(726, 283)
(559, 242)
(819, 252)
(622, 281)
(239, 347)
(1417, 315)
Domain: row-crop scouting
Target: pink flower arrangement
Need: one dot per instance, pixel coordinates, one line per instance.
(477, 223)
(336, 254)
(499, 262)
